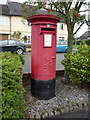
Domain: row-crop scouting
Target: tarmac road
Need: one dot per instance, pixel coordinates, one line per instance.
(27, 65)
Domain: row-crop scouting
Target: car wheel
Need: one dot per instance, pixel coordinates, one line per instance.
(19, 51)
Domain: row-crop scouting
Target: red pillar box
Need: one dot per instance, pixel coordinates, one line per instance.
(43, 55)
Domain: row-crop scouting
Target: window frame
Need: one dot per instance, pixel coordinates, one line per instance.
(4, 20)
(28, 40)
(61, 26)
(61, 38)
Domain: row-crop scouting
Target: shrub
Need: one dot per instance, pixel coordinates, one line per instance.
(12, 88)
(82, 41)
(87, 42)
(77, 65)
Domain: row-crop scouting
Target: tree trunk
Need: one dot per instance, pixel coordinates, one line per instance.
(70, 38)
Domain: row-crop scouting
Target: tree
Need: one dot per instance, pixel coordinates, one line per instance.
(16, 35)
(69, 11)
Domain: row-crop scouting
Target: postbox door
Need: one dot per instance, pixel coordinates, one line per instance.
(48, 56)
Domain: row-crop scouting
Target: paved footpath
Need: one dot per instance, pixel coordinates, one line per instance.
(78, 115)
(27, 65)
(81, 114)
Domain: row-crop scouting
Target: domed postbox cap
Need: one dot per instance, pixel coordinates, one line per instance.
(42, 17)
(44, 11)
(41, 11)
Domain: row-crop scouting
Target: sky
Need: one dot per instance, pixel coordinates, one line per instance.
(12, 0)
(21, 1)
(83, 29)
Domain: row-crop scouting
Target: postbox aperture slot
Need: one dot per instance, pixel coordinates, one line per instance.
(47, 29)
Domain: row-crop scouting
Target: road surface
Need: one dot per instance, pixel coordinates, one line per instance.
(27, 65)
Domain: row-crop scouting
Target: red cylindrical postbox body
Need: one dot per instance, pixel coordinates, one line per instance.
(43, 55)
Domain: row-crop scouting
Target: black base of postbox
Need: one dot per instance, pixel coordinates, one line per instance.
(43, 89)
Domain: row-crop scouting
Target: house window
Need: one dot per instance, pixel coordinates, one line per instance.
(61, 38)
(61, 26)
(27, 39)
(4, 20)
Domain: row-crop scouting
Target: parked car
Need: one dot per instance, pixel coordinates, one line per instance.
(61, 46)
(12, 46)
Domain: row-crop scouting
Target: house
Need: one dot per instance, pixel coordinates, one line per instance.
(62, 33)
(85, 36)
(11, 21)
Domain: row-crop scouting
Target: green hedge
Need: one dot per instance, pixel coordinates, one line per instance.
(82, 41)
(12, 88)
(77, 65)
(87, 42)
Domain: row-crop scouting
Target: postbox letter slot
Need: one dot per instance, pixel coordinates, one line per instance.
(47, 29)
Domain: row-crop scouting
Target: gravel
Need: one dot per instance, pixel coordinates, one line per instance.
(69, 97)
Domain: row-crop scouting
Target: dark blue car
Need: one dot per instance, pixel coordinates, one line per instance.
(61, 46)
(12, 46)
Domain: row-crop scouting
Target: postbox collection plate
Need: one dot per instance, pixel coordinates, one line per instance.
(47, 40)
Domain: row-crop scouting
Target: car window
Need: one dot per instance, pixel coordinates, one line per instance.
(61, 42)
(0, 43)
(3, 42)
(17, 42)
(12, 42)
